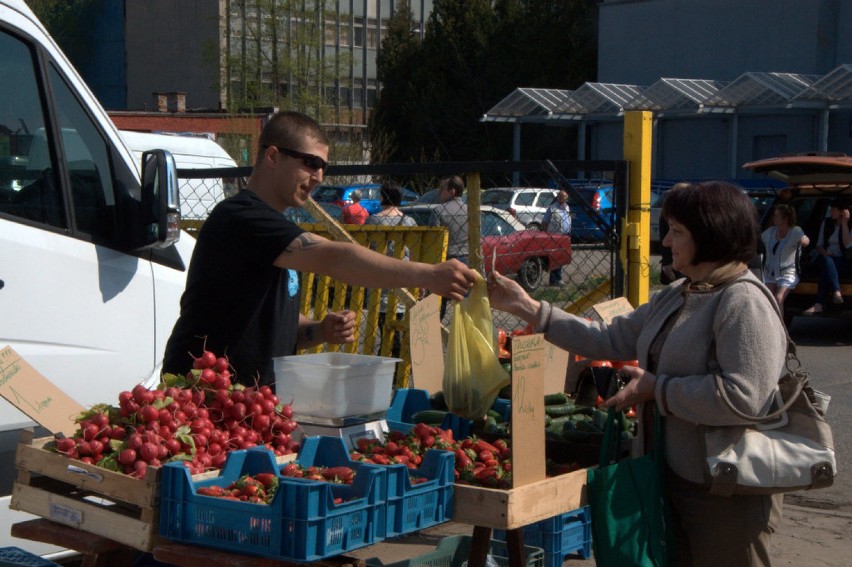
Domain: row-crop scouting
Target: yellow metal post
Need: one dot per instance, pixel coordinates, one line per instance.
(637, 229)
(474, 222)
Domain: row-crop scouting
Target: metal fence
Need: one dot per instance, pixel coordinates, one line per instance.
(573, 271)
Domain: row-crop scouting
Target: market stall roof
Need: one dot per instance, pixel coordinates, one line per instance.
(751, 90)
(526, 105)
(597, 98)
(833, 89)
(667, 95)
(760, 90)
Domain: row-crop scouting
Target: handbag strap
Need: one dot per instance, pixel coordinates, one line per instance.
(793, 365)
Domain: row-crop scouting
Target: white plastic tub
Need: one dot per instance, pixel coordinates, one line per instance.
(335, 384)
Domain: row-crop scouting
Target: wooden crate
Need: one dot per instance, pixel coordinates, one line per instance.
(518, 507)
(87, 497)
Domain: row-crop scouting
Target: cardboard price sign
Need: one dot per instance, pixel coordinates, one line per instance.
(26, 389)
(427, 349)
(528, 449)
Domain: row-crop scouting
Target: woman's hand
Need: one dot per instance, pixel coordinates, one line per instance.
(507, 295)
(639, 388)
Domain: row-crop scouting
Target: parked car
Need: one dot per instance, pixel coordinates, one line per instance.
(341, 196)
(526, 254)
(600, 195)
(299, 215)
(812, 181)
(197, 196)
(527, 204)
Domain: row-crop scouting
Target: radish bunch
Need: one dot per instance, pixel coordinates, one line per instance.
(197, 418)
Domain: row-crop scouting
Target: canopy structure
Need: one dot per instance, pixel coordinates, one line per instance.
(751, 92)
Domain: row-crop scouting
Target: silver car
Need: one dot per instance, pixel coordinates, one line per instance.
(527, 204)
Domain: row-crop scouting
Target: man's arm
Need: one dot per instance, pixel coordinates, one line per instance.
(360, 266)
(335, 328)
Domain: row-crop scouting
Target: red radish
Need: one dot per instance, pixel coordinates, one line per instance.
(148, 451)
(222, 364)
(127, 456)
(206, 360)
(208, 376)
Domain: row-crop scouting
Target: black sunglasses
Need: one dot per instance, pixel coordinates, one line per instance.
(310, 160)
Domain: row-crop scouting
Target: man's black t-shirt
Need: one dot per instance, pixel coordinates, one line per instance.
(235, 298)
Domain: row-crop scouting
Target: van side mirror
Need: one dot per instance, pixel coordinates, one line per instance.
(160, 205)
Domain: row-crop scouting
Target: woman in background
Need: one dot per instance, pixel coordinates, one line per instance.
(834, 242)
(783, 243)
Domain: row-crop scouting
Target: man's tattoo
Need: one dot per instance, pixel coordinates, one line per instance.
(302, 242)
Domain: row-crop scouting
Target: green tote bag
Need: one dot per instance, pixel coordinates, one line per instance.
(629, 510)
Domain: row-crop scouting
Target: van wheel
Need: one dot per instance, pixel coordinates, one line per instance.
(531, 274)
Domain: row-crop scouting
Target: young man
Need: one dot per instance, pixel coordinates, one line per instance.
(242, 294)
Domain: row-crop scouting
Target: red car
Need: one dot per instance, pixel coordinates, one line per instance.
(526, 254)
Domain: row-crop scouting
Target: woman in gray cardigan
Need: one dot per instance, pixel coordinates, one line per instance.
(710, 322)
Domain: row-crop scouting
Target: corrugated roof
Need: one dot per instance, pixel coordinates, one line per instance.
(676, 94)
(833, 88)
(597, 98)
(761, 89)
(526, 105)
(682, 96)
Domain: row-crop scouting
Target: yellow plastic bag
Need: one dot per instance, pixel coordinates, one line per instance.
(473, 374)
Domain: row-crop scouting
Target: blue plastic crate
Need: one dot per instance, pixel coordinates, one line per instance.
(413, 507)
(559, 536)
(454, 551)
(301, 524)
(408, 401)
(17, 557)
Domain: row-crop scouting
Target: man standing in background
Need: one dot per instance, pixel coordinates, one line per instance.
(557, 220)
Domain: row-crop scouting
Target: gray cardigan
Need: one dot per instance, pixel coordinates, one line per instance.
(750, 350)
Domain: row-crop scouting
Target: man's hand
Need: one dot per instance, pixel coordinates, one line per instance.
(451, 279)
(338, 327)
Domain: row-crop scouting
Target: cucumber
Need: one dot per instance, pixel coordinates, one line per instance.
(495, 414)
(556, 399)
(599, 419)
(559, 410)
(557, 424)
(429, 417)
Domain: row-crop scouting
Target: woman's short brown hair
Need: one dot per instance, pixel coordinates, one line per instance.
(720, 217)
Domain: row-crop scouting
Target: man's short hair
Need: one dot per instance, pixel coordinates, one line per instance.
(455, 183)
(290, 129)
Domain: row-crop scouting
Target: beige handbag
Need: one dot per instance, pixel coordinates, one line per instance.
(789, 449)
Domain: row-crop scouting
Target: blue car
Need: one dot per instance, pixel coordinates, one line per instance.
(371, 196)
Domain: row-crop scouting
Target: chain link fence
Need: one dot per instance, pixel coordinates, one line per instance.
(518, 231)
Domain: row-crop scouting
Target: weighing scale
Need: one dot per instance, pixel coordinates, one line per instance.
(350, 428)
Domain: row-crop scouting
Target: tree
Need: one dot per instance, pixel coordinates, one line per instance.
(277, 58)
(474, 53)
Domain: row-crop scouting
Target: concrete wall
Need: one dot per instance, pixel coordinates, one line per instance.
(642, 41)
(172, 46)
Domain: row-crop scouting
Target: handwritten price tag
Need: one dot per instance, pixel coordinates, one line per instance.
(35, 395)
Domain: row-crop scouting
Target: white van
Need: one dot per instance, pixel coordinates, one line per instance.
(91, 264)
(197, 196)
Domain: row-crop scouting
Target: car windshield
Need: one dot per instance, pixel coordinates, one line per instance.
(497, 198)
(493, 225)
(327, 193)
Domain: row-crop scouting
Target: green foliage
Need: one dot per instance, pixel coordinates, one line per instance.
(474, 53)
(66, 21)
